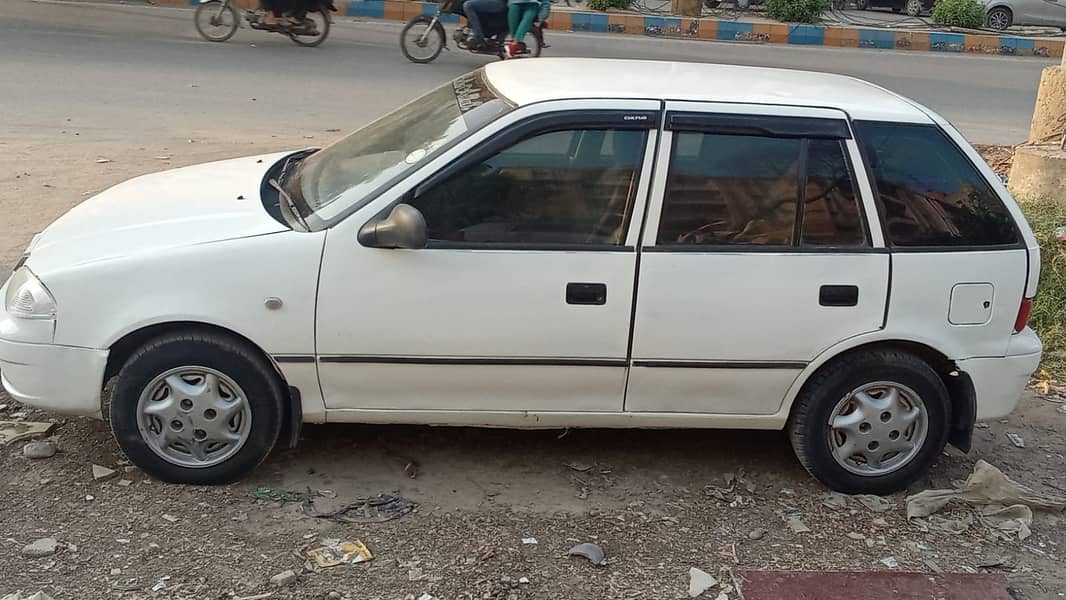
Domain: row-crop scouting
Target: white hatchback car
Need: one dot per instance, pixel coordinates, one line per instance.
(551, 243)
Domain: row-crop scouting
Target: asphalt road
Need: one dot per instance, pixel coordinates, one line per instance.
(142, 68)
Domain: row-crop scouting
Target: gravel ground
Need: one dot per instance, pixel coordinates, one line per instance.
(650, 498)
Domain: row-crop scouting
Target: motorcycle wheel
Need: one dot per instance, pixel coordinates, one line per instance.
(421, 41)
(535, 45)
(217, 22)
(321, 19)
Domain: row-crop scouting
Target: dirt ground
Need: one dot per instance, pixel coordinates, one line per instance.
(649, 498)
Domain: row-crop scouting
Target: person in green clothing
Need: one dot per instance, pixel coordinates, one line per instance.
(520, 17)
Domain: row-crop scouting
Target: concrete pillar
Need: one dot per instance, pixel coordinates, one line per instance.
(1049, 114)
(1039, 166)
(1038, 172)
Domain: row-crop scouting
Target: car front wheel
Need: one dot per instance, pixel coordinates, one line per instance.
(872, 422)
(999, 18)
(197, 408)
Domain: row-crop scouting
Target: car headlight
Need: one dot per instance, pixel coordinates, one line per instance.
(27, 298)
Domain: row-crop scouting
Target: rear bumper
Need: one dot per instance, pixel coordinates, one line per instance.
(999, 382)
(59, 379)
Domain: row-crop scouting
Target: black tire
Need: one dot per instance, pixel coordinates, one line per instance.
(437, 31)
(313, 42)
(862, 4)
(999, 18)
(236, 360)
(809, 424)
(915, 8)
(210, 10)
(536, 43)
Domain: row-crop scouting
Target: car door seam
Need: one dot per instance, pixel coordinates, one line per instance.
(639, 243)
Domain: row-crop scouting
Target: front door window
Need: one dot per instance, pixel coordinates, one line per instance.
(570, 187)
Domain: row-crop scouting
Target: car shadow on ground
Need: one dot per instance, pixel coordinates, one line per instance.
(543, 470)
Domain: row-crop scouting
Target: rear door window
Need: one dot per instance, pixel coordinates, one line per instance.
(725, 189)
(931, 194)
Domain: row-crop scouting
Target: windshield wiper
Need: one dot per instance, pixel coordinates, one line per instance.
(295, 210)
(291, 167)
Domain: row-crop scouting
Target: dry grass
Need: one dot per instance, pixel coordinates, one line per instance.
(1049, 309)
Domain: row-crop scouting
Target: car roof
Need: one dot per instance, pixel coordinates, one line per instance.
(529, 81)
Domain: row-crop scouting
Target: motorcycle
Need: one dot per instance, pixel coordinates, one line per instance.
(218, 20)
(423, 38)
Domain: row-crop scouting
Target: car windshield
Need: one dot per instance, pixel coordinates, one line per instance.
(331, 183)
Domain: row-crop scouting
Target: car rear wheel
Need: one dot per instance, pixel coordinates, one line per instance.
(999, 18)
(915, 7)
(197, 408)
(871, 423)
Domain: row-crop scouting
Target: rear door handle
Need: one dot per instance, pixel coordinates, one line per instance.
(838, 295)
(586, 293)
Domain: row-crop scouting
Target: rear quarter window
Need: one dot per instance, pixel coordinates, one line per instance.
(931, 194)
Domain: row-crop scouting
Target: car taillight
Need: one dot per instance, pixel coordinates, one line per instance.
(1023, 315)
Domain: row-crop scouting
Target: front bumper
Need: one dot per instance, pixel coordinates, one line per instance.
(59, 379)
(999, 382)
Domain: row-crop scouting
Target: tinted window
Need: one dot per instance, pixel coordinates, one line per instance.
(831, 214)
(731, 189)
(563, 187)
(931, 193)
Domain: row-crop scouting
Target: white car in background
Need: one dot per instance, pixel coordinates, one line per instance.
(1002, 14)
(551, 243)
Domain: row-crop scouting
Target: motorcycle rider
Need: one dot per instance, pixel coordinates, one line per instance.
(283, 13)
(474, 10)
(520, 17)
(273, 10)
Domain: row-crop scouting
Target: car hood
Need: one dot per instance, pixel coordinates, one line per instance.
(193, 205)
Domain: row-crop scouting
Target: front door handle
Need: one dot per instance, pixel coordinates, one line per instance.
(594, 294)
(838, 295)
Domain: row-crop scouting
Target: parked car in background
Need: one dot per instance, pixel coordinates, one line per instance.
(551, 243)
(1006, 13)
(911, 7)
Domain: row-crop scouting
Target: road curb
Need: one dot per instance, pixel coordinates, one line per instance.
(727, 30)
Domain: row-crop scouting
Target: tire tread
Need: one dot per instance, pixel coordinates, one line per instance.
(809, 402)
(252, 356)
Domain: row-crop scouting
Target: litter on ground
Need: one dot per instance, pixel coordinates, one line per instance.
(13, 431)
(377, 509)
(593, 552)
(339, 553)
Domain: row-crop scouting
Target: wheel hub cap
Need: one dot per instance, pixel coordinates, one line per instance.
(194, 417)
(877, 428)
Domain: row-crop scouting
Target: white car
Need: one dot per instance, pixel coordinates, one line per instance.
(551, 243)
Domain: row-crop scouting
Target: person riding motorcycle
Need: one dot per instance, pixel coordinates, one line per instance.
(521, 14)
(284, 13)
(474, 10)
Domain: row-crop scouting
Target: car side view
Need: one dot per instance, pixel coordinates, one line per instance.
(551, 243)
(1002, 14)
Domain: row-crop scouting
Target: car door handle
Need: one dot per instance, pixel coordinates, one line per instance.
(586, 293)
(838, 295)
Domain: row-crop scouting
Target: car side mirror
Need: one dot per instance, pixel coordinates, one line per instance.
(405, 227)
